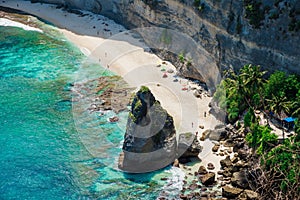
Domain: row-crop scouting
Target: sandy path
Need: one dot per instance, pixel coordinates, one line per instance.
(131, 62)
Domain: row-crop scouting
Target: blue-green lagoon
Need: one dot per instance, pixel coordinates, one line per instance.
(44, 153)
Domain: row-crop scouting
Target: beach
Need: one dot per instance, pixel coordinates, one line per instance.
(97, 38)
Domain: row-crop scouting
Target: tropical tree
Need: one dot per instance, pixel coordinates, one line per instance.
(279, 104)
(252, 82)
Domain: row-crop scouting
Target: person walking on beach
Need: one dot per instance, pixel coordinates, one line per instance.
(192, 124)
(205, 114)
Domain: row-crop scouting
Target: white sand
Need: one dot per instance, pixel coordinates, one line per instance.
(135, 65)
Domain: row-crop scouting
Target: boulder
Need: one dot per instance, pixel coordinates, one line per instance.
(251, 195)
(238, 145)
(220, 126)
(231, 192)
(197, 94)
(215, 148)
(218, 134)
(188, 146)
(184, 160)
(205, 134)
(193, 186)
(234, 159)
(202, 170)
(227, 173)
(229, 143)
(210, 166)
(243, 154)
(239, 179)
(226, 162)
(208, 179)
(176, 163)
(229, 127)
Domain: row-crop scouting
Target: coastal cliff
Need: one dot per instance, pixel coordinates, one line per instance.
(232, 33)
(150, 138)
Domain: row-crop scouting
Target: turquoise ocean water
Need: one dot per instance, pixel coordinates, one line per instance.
(42, 153)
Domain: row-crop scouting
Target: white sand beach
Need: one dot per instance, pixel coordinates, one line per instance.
(91, 33)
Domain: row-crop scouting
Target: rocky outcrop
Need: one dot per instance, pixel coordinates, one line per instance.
(231, 192)
(223, 35)
(208, 179)
(188, 146)
(150, 138)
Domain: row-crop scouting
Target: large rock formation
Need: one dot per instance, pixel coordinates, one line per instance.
(150, 138)
(227, 33)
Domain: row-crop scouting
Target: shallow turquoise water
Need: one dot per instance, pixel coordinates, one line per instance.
(42, 153)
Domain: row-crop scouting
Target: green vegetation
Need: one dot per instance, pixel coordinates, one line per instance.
(254, 12)
(280, 93)
(200, 6)
(181, 57)
(144, 89)
(260, 138)
(184, 60)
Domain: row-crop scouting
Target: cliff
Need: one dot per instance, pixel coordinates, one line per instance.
(229, 33)
(150, 138)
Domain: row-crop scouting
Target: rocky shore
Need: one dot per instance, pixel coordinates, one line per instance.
(233, 180)
(104, 93)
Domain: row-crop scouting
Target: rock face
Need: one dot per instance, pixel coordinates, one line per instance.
(218, 134)
(150, 138)
(231, 192)
(239, 179)
(221, 31)
(188, 146)
(208, 179)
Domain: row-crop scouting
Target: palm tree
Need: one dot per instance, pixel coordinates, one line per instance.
(296, 106)
(279, 104)
(253, 81)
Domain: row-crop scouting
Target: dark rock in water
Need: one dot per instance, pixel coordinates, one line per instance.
(202, 170)
(239, 179)
(188, 145)
(208, 179)
(182, 196)
(193, 187)
(63, 105)
(231, 192)
(184, 160)
(150, 138)
(226, 162)
(176, 163)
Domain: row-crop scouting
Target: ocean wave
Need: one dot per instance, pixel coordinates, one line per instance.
(7, 22)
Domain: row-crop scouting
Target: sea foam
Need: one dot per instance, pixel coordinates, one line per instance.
(7, 22)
